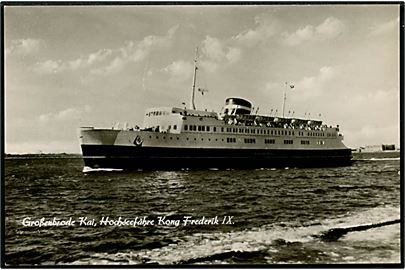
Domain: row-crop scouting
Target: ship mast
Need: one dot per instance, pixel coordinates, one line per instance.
(285, 96)
(192, 105)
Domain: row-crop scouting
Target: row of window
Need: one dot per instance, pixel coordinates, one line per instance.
(316, 134)
(171, 138)
(258, 131)
(269, 141)
(198, 128)
(252, 131)
(250, 140)
(157, 113)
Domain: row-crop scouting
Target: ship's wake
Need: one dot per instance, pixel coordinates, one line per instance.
(378, 159)
(345, 239)
(89, 170)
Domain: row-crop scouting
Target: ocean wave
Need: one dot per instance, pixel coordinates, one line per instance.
(88, 169)
(377, 159)
(266, 243)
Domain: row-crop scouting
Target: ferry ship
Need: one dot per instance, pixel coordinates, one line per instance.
(174, 138)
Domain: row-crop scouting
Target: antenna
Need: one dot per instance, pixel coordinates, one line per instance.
(285, 94)
(192, 104)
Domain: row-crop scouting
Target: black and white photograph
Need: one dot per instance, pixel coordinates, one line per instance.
(214, 134)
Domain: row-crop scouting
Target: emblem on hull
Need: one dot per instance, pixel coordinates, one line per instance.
(138, 141)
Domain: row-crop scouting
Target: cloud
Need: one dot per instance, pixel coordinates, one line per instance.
(115, 66)
(108, 61)
(265, 28)
(328, 29)
(87, 61)
(377, 106)
(306, 90)
(216, 53)
(372, 134)
(64, 115)
(213, 48)
(233, 55)
(299, 36)
(315, 85)
(56, 66)
(48, 66)
(179, 70)
(385, 27)
(136, 52)
(25, 46)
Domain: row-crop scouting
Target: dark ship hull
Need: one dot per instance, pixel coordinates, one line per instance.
(171, 158)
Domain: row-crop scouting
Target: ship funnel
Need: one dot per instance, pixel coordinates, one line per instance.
(237, 106)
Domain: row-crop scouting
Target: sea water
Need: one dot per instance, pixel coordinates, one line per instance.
(57, 215)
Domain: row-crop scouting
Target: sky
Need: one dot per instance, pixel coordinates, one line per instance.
(72, 66)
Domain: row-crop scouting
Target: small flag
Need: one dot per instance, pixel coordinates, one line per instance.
(201, 90)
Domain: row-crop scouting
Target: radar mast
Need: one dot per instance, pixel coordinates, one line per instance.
(192, 104)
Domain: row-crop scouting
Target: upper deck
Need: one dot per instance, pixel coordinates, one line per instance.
(171, 119)
(176, 120)
(235, 127)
